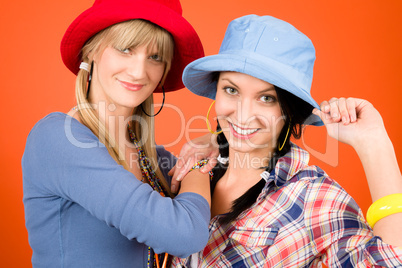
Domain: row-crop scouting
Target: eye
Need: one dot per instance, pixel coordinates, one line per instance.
(156, 57)
(123, 50)
(230, 90)
(267, 99)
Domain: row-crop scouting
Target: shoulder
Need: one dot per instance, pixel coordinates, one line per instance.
(316, 179)
(58, 128)
(318, 184)
(53, 123)
(57, 136)
(314, 189)
(326, 198)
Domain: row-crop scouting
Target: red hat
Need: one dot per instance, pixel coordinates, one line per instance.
(165, 13)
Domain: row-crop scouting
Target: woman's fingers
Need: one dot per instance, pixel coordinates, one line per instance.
(339, 110)
(325, 107)
(334, 110)
(351, 106)
(210, 165)
(324, 116)
(343, 111)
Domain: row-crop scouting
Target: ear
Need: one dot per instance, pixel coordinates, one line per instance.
(93, 56)
(96, 54)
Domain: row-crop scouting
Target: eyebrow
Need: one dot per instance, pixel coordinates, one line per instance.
(259, 92)
(267, 90)
(230, 81)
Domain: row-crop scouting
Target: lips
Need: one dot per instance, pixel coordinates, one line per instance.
(130, 86)
(243, 133)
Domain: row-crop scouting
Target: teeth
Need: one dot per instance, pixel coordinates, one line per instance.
(244, 131)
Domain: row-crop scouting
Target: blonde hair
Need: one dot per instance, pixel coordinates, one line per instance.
(128, 34)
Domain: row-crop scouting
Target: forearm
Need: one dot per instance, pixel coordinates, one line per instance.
(197, 182)
(380, 165)
(384, 178)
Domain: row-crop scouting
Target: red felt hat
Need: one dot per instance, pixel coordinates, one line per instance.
(165, 13)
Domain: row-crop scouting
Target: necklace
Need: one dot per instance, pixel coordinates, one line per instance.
(146, 168)
(149, 174)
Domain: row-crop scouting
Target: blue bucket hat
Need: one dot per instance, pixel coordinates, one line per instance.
(263, 47)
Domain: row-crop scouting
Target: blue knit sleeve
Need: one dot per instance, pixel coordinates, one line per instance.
(166, 161)
(64, 159)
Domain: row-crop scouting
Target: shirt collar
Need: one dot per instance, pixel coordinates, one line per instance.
(287, 166)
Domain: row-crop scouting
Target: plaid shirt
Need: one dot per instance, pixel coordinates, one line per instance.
(302, 218)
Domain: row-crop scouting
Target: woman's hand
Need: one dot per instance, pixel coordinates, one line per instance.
(351, 121)
(358, 123)
(204, 147)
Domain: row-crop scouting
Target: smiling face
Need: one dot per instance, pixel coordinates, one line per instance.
(249, 113)
(125, 77)
(133, 55)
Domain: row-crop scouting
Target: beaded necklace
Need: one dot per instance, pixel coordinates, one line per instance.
(149, 174)
(146, 168)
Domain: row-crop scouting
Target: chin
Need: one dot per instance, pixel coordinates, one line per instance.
(248, 147)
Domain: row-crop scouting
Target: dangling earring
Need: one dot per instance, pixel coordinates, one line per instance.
(287, 134)
(90, 78)
(163, 102)
(207, 120)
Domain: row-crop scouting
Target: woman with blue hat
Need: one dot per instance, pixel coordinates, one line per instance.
(270, 208)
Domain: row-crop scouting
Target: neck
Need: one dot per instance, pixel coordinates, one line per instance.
(115, 121)
(243, 166)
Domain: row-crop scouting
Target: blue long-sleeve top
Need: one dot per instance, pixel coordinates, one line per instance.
(82, 209)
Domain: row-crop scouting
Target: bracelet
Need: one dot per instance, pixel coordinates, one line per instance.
(200, 164)
(383, 207)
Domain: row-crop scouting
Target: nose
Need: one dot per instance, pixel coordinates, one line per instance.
(245, 111)
(137, 68)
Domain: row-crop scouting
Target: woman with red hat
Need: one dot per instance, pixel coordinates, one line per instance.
(95, 186)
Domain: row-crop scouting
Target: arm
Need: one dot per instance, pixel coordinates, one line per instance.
(204, 147)
(357, 123)
(58, 165)
(197, 182)
(338, 231)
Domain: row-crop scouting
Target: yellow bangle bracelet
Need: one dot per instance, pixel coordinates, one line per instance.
(383, 207)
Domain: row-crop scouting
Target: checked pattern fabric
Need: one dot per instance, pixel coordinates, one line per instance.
(302, 218)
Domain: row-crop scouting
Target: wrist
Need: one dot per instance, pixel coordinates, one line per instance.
(383, 207)
(372, 141)
(200, 164)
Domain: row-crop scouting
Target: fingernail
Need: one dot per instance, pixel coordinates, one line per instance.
(335, 115)
(173, 188)
(178, 178)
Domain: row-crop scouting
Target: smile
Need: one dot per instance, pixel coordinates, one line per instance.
(242, 132)
(130, 86)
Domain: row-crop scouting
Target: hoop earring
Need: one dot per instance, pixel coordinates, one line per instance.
(287, 134)
(207, 120)
(163, 102)
(90, 78)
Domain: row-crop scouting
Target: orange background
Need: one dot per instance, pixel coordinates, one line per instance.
(359, 54)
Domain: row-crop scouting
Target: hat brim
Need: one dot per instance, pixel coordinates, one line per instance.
(197, 76)
(188, 45)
